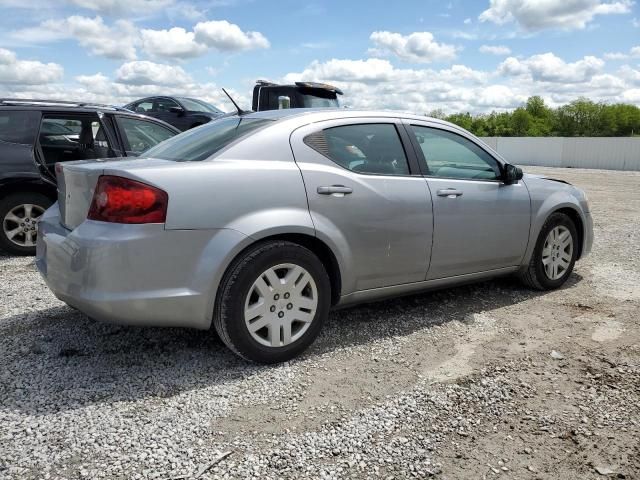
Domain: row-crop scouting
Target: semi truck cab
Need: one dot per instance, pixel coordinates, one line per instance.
(273, 96)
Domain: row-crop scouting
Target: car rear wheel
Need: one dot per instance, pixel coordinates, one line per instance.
(555, 254)
(20, 213)
(272, 302)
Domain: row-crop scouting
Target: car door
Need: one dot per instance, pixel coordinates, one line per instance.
(64, 137)
(367, 198)
(480, 223)
(139, 135)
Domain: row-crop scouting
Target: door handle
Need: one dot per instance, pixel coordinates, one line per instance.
(449, 193)
(334, 189)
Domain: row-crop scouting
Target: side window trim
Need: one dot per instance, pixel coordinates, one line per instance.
(403, 137)
(423, 162)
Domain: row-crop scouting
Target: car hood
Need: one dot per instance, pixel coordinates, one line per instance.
(544, 177)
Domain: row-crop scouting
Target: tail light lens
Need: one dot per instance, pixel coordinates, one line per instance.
(122, 200)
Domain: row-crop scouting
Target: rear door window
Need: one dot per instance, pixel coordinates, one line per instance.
(373, 148)
(141, 135)
(67, 137)
(18, 126)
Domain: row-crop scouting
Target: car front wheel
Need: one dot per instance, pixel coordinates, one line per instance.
(20, 213)
(272, 302)
(555, 254)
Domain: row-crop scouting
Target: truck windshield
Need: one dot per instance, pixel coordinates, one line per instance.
(311, 101)
(200, 143)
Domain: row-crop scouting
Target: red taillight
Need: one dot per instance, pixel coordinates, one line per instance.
(121, 200)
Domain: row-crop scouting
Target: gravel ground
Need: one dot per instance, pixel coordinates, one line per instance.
(484, 381)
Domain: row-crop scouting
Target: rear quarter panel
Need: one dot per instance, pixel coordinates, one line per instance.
(253, 187)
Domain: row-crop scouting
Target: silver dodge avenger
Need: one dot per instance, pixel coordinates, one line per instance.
(259, 224)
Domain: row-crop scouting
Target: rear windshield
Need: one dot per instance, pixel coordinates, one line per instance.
(202, 142)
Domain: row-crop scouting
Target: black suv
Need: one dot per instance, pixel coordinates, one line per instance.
(181, 112)
(36, 134)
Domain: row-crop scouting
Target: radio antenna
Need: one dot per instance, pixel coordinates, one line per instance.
(240, 111)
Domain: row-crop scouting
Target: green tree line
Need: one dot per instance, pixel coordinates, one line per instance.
(580, 118)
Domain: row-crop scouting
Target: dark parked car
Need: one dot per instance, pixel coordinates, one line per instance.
(36, 134)
(181, 112)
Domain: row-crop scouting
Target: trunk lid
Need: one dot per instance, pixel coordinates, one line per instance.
(77, 182)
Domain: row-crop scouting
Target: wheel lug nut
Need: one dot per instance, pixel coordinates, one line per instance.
(280, 314)
(273, 308)
(289, 306)
(286, 295)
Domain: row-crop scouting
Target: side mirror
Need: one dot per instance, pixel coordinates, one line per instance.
(512, 174)
(177, 110)
(284, 102)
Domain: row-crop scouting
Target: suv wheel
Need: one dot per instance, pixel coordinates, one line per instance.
(272, 302)
(19, 214)
(555, 254)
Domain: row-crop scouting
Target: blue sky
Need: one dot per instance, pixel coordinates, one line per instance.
(415, 55)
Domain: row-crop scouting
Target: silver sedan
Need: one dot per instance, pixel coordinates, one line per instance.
(259, 224)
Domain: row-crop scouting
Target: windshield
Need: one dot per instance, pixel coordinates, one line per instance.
(311, 101)
(194, 105)
(202, 142)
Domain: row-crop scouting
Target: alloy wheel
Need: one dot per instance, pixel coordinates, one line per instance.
(557, 252)
(280, 305)
(20, 224)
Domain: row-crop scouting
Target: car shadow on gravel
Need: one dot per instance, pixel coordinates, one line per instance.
(57, 359)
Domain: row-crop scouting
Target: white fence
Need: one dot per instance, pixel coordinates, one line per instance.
(610, 153)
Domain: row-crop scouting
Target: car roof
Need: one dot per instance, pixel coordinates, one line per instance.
(319, 114)
(75, 107)
(46, 104)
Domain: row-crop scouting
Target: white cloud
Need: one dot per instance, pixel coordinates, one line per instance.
(495, 49)
(419, 47)
(549, 68)
(117, 41)
(533, 15)
(216, 34)
(228, 37)
(634, 52)
(27, 72)
(102, 89)
(366, 71)
(143, 72)
(120, 40)
(467, 21)
(121, 7)
(630, 74)
(615, 56)
(176, 42)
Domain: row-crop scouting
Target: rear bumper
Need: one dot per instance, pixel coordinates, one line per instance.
(135, 274)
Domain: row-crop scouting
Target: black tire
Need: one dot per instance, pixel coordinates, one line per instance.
(535, 276)
(228, 318)
(7, 204)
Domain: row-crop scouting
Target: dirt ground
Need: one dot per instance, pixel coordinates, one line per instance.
(483, 381)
